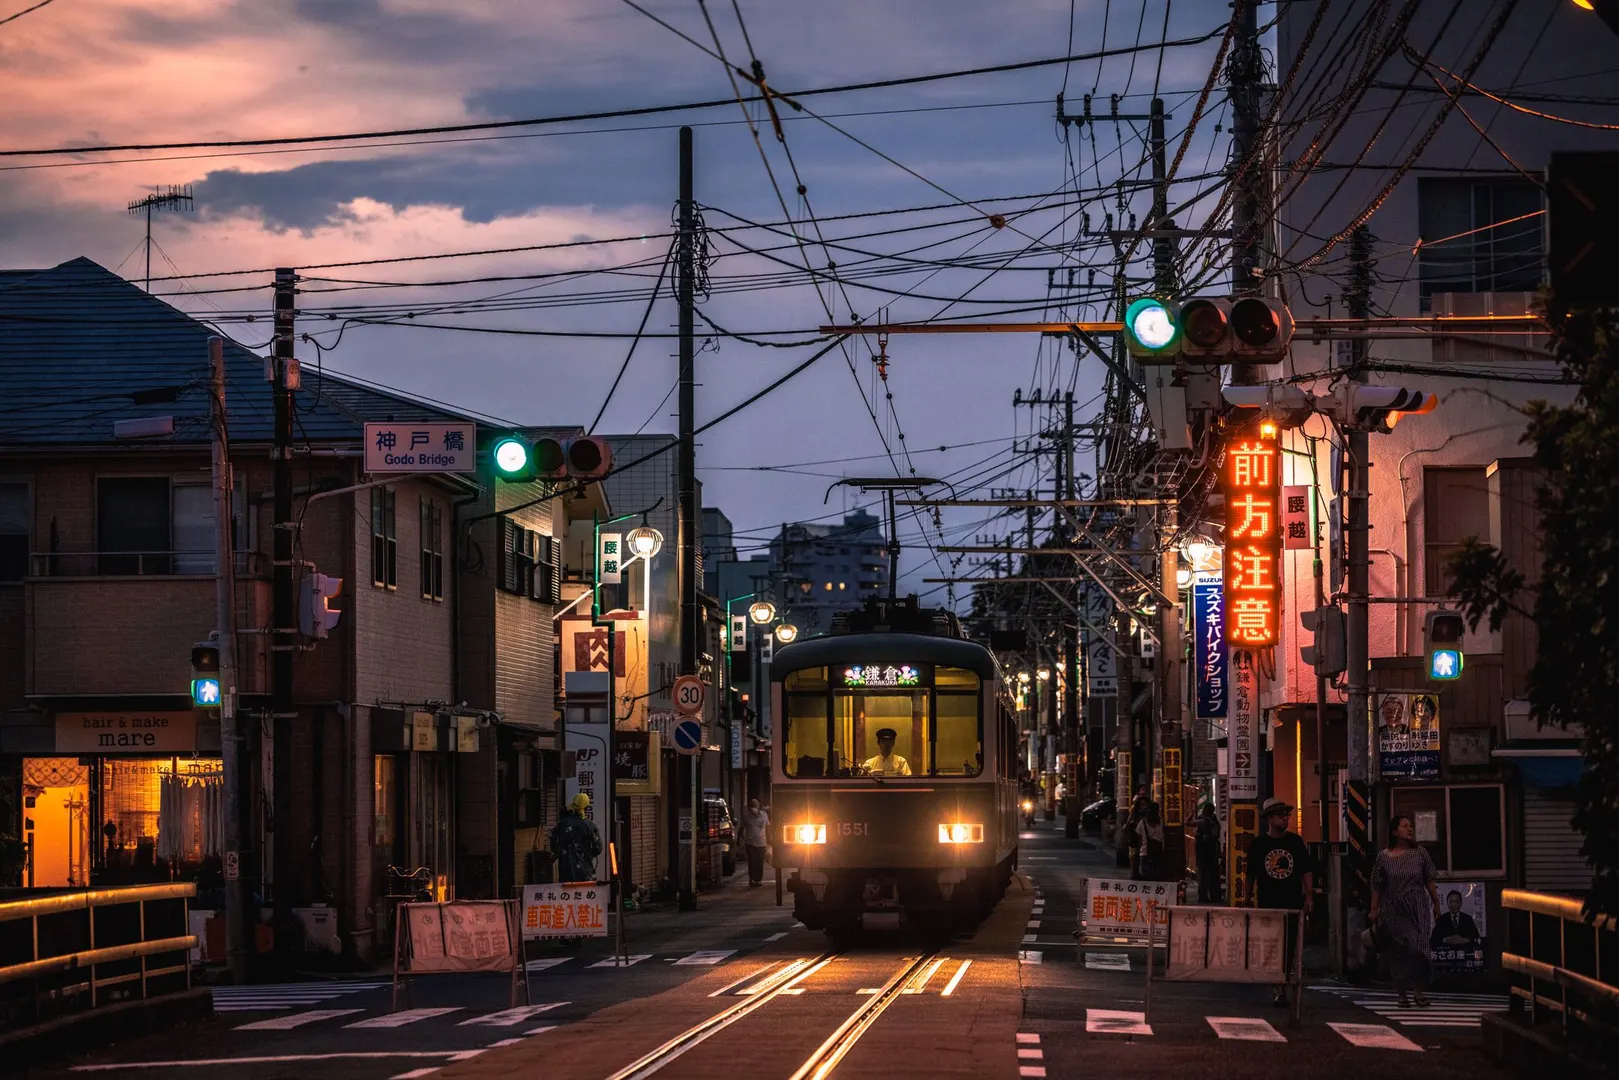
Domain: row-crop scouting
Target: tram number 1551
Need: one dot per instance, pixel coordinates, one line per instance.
(853, 828)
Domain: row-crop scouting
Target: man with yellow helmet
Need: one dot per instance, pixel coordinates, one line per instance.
(575, 842)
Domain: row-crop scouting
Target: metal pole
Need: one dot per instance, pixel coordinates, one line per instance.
(1163, 247)
(689, 512)
(1070, 645)
(283, 640)
(230, 740)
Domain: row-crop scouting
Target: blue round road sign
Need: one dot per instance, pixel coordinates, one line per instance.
(689, 736)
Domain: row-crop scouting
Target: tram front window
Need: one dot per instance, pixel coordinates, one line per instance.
(848, 732)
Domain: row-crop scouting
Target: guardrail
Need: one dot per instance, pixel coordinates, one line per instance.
(1562, 965)
(84, 948)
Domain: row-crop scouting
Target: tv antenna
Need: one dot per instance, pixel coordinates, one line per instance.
(175, 198)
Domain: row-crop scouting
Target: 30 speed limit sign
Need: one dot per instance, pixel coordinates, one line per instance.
(689, 694)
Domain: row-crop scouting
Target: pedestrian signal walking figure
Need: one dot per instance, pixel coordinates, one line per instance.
(1281, 875)
(575, 842)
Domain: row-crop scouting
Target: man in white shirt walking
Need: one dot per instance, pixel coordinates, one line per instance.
(755, 837)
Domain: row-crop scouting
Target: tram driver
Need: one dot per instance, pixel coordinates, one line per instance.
(886, 762)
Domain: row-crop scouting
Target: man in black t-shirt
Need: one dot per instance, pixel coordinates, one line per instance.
(1280, 875)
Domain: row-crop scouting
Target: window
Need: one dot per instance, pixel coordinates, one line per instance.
(132, 525)
(1477, 235)
(832, 731)
(518, 551)
(1455, 506)
(1477, 845)
(432, 550)
(384, 539)
(194, 529)
(13, 530)
(547, 586)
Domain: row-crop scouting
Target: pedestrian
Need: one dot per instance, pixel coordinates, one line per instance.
(1152, 841)
(1132, 831)
(575, 842)
(755, 838)
(1404, 895)
(1208, 855)
(1281, 875)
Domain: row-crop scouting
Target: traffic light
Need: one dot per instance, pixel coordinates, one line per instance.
(1152, 330)
(316, 616)
(582, 457)
(206, 690)
(1442, 632)
(513, 456)
(1261, 329)
(1327, 653)
(1205, 327)
(1377, 408)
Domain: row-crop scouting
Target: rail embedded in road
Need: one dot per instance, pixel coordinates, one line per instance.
(820, 1064)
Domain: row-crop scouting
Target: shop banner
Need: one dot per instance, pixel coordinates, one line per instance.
(1408, 736)
(1243, 782)
(1457, 942)
(133, 731)
(566, 910)
(1119, 907)
(1208, 645)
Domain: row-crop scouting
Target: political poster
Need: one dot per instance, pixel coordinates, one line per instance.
(1407, 736)
(1456, 945)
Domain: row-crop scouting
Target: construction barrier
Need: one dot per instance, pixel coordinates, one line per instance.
(456, 936)
(1120, 911)
(1230, 945)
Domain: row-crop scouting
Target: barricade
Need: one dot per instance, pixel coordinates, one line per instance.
(1231, 945)
(454, 937)
(1119, 912)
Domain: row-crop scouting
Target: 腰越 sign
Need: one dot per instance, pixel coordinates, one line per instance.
(564, 910)
(113, 731)
(1296, 517)
(411, 448)
(610, 558)
(1457, 941)
(1251, 483)
(1120, 908)
(1408, 736)
(1243, 728)
(1209, 646)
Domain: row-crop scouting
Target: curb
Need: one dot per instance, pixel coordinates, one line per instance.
(94, 1028)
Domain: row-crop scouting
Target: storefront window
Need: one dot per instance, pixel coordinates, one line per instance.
(383, 804)
(159, 819)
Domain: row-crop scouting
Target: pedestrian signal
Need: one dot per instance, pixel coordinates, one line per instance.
(1442, 631)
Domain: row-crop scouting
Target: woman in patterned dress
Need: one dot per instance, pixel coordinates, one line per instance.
(1405, 905)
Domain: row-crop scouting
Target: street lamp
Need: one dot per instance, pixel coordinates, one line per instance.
(761, 612)
(786, 633)
(645, 542)
(1023, 677)
(1043, 674)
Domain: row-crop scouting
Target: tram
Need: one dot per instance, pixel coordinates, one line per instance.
(895, 781)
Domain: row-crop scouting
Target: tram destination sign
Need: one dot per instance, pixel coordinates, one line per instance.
(886, 676)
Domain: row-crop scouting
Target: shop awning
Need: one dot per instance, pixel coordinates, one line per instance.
(1544, 767)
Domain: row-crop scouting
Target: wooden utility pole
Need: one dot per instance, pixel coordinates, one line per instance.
(283, 637)
(690, 614)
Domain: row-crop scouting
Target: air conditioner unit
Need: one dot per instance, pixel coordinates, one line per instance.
(320, 929)
(1522, 727)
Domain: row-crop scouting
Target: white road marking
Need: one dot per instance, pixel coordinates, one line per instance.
(777, 937)
(795, 990)
(955, 980)
(1447, 1009)
(1027, 1037)
(1035, 1071)
(416, 1074)
(1244, 1028)
(1107, 961)
(1031, 956)
(1031, 1053)
(1034, 924)
(546, 963)
(616, 962)
(505, 1042)
(1116, 1022)
(400, 1019)
(285, 1023)
(1374, 1036)
(920, 983)
(511, 1017)
(539, 1030)
(706, 957)
(1029, 939)
(268, 1059)
(870, 990)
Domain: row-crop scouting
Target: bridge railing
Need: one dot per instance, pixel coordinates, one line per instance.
(1564, 967)
(68, 951)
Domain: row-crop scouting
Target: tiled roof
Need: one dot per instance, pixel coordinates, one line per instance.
(81, 348)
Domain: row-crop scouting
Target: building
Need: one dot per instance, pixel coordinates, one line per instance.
(819, 570)
(1461, 231)
(425, 723)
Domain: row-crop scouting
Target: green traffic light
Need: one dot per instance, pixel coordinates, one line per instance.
(1151, 327)
(511, 456)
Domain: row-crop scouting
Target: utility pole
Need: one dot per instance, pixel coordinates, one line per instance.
(1357, 645)
(689, 513)
(1070, 645)
(230, 739)
(283, 640)
(1163, 244)
(1251, 209)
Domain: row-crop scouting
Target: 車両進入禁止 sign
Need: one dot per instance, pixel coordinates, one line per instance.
(564, 910)
(1117, 907)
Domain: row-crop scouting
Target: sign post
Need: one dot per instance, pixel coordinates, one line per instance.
(421, 448)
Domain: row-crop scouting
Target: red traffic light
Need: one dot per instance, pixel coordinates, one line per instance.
(1204, 324)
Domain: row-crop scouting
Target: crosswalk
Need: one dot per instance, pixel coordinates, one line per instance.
(286, 995)
(389, 1021)
(1134, 1025)
(1445, 1010)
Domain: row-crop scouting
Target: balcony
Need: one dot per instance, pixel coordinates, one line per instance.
(124, 622)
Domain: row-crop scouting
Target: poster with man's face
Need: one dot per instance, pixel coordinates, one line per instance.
(1457, 941)
(1408, 736)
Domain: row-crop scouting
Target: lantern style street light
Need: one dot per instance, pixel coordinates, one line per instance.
(761, 612)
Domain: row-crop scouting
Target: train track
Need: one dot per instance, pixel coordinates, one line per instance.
(784, 981)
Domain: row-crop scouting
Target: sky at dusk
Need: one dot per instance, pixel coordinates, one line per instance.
(136, 71)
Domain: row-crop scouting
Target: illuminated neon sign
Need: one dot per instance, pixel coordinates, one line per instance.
(1252, 483)
(881, 675)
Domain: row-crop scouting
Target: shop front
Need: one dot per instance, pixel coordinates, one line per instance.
(119, 796)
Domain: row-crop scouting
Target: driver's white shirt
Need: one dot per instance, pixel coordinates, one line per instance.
(891, 765)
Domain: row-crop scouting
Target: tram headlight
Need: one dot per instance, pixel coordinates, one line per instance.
(804, 834)
(961, 833)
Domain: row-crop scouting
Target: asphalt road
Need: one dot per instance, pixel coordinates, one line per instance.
(1035, 1007)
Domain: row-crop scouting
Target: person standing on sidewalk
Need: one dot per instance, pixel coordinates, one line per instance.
(1280, 875)
(1208, 856)
(1403, 895)
(755, 838)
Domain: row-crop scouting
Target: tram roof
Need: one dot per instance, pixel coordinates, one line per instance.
(886, 649)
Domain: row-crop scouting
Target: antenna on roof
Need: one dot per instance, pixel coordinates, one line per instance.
(175, 198)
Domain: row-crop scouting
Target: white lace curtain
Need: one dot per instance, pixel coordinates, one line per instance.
(191, 816)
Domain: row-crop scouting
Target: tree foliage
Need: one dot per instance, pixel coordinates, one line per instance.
(1575, 677)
